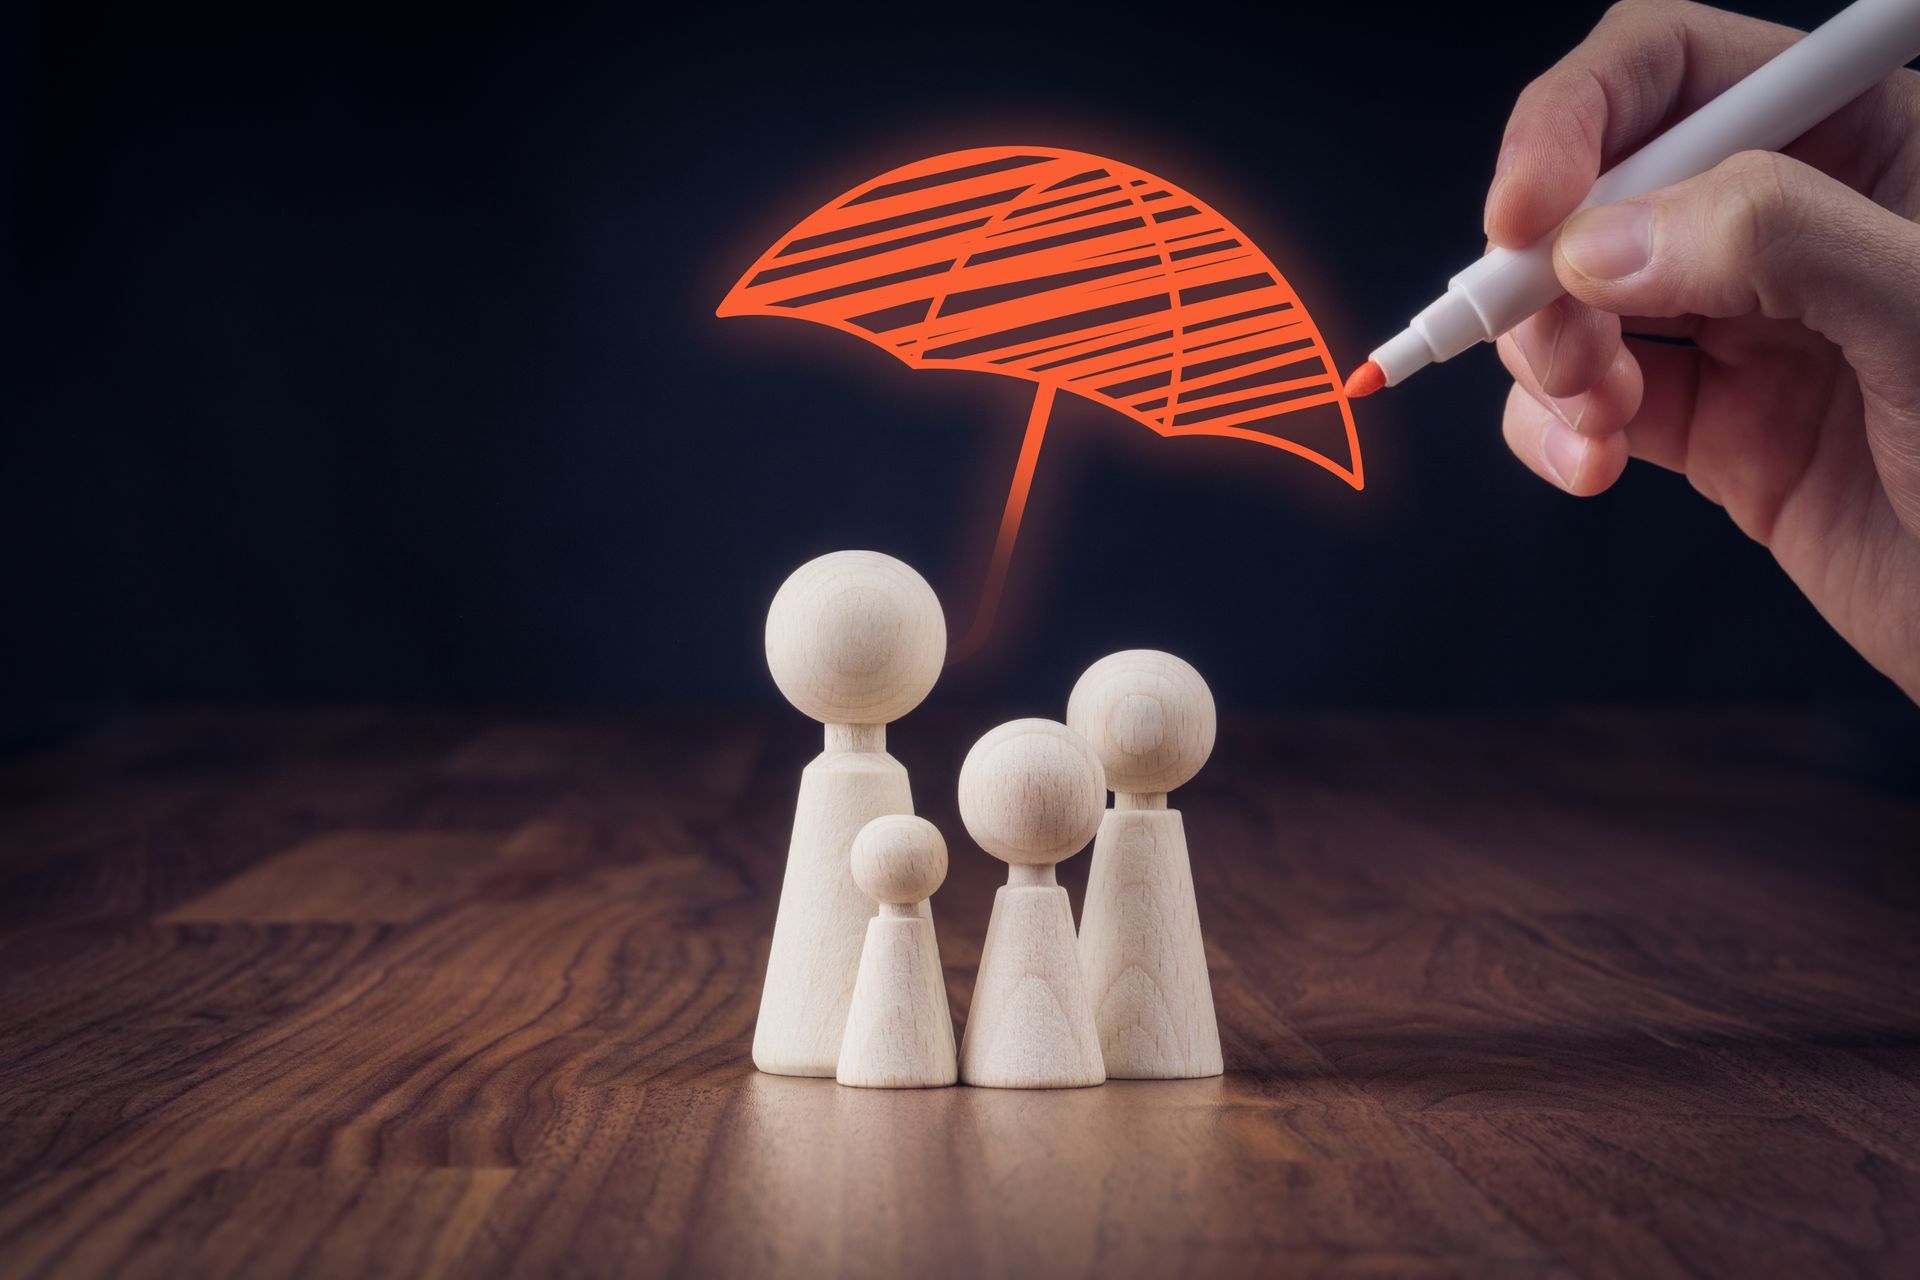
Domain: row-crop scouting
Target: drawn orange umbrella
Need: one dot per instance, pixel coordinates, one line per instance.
(1078, 274)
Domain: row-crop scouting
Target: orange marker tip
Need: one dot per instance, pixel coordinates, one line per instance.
(1365, 380)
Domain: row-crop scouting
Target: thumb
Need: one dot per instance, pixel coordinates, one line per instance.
(1760, 233)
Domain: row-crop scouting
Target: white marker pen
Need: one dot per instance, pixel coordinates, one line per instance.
(1782, 99)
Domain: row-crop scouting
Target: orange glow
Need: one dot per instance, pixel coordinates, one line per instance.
(1075, 273)
(1365, 380)
(976, 635)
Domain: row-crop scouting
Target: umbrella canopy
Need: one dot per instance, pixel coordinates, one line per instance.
(1075, 273)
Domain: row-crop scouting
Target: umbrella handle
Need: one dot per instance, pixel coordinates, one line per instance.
(976, 636)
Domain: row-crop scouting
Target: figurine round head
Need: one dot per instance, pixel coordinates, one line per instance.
(1149, 716)
(855, 637)
(899, 859)
(1032, 792)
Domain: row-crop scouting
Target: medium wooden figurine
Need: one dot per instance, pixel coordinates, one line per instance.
(854, 639)
(1031, 793)
(1150, 717)
(899, 1028)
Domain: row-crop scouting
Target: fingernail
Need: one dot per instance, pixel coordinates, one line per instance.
(1610, 241)
(1539, 342)
(1560, 450)
(1573, 409)
(1500, 168)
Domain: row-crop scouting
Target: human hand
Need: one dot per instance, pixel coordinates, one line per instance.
(1797, 279)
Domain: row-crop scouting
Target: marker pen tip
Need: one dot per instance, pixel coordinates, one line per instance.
(1365, 380)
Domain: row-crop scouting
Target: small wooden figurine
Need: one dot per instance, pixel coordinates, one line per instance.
(854, 639)
(1031, 794)
(1151, 719)
(899, 1028)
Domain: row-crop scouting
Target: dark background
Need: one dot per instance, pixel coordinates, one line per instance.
(369, 353)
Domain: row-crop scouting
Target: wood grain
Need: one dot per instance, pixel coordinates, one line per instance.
(1143, 953)
(899, 1024)
(361, 993)
(855, 639)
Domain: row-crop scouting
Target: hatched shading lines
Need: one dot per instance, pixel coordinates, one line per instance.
(825, 261)
(883, 225)
(946, 177)
(1048, 267)
(1073, 273)
(1108, 207)
(1062, 202)
(1062, 346)
(1055, 241)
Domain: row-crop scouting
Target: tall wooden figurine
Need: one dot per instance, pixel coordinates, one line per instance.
(1151, 719)
(899, 1028)
(1031, 793)
(854, 639)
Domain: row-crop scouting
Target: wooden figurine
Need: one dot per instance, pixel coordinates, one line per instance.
(856, 640)
(899, 1028)
(1150, 717)
(1031, 793)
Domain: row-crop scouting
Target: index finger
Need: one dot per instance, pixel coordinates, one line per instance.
(1646, 62)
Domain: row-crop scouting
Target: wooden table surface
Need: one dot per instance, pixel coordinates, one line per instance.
(366, 993)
